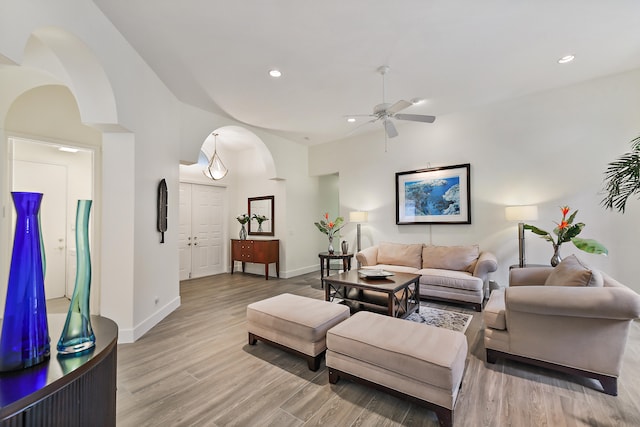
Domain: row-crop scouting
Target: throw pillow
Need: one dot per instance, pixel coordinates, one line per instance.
(456, 258)
(400, 254)
(572, 272)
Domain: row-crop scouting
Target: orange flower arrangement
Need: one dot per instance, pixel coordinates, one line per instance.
(567, 231)
(329, 227)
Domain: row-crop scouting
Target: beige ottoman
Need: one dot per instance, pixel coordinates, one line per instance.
(421, 362)
(294, 323)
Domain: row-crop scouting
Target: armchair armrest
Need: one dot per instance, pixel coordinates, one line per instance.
(570, 301)
(368, 256)
(529, 276)
(487, 263)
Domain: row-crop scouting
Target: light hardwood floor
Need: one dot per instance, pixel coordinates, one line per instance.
(195, 368)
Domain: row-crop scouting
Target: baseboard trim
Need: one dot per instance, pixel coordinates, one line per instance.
(127, 336)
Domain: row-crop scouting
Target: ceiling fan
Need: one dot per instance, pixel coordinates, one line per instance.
(384, 112)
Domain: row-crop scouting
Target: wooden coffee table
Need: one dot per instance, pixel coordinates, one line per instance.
(393, 295)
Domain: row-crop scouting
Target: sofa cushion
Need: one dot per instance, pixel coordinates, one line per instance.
(493, 315)
(572, 272)
(450, 279)
(457, 258)
(408, 255)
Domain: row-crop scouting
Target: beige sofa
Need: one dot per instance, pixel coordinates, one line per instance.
(448, 273)
(572, 319)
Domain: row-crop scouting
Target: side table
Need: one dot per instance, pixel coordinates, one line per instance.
(325, 262)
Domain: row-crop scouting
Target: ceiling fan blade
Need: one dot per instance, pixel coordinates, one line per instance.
(390, 128)
(355, 129)
(399, 106)
(415, 118)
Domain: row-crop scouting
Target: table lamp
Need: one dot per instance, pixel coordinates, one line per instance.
(520, 214)
(358, 217)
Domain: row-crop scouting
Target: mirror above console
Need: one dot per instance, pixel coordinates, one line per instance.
(261, 214)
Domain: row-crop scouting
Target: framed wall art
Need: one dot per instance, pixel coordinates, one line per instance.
(434, 196)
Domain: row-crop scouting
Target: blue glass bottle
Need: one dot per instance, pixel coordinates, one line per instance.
(77, 335)
(25, 331)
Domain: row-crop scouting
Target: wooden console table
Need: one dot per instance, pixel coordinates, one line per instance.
(70, 391)
(257, 251)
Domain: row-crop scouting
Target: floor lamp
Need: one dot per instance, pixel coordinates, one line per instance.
(358, 217)
(520, 214)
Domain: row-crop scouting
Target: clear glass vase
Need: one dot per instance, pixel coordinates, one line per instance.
(243, 232)
(25, 330)
(330, 248)
(556, 259)
(77, 335)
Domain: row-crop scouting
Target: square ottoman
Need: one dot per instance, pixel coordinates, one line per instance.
(418, 362)
(294, 323)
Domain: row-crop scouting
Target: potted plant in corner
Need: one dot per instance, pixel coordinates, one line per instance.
(622, 178)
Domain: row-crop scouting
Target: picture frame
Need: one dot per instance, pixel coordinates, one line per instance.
(261, 206)
(440, 195)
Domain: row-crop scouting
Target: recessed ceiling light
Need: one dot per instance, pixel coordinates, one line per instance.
(566, 59)
(275, 73)
(351, 119)
(418, 101)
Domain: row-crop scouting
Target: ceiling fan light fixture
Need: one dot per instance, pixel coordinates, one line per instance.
(215, 170)
(566, 59)
(418, 101)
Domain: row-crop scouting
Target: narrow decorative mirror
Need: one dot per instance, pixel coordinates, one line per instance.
(261, 214)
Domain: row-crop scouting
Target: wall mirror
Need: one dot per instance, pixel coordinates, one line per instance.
(261, 214)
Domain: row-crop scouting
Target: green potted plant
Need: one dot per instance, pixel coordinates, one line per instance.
(622, 178)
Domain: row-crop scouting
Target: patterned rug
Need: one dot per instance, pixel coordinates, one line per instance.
(441, 318)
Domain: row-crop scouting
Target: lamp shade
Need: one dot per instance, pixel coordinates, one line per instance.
(521, 213)
(358, 216)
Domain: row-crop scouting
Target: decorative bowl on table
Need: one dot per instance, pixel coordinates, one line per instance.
(374, 274)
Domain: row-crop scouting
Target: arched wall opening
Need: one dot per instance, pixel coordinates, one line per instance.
(56, 57)
(251, 173)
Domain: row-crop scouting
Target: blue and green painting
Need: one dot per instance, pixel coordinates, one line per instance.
(439, 196)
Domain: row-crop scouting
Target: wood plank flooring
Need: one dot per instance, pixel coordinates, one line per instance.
(195, 368)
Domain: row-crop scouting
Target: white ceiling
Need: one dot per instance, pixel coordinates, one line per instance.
(216, 54)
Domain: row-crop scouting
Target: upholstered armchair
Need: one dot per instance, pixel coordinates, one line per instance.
(571, 319)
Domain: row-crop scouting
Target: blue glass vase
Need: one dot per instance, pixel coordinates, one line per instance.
(25, 331)
(77, 335)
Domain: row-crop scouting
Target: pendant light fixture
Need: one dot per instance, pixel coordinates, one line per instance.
(216, 169)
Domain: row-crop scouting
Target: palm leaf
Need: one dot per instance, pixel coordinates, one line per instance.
(622, 178)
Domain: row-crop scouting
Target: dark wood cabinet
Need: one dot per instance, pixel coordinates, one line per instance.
(65, 391)
(258, 251)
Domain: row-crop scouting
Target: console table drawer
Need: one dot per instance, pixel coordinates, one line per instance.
(257, 251)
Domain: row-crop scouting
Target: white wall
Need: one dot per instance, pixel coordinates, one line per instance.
(548, 149)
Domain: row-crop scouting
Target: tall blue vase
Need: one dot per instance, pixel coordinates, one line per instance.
(25, 331)
(77, 336)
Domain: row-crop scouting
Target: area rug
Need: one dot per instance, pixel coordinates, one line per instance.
(441, 318)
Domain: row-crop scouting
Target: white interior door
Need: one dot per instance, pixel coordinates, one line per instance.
(201, 231)
(51, 180)
(207, 210)
(184, 231)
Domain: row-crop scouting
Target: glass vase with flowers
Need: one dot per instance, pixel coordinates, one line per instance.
(243, 219)
(330, 228)
(567, 231)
